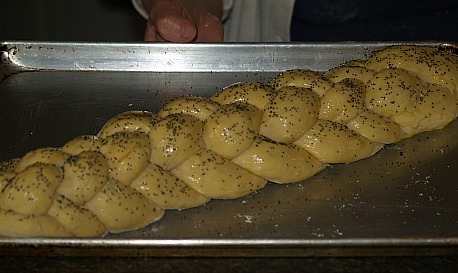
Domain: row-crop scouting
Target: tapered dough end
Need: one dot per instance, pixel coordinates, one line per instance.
(18, 225)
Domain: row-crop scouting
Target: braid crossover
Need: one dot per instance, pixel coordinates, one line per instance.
(195, 149)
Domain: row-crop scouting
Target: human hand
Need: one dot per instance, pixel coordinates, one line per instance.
(184, 20)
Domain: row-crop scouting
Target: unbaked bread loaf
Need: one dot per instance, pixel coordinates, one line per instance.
(195, 149)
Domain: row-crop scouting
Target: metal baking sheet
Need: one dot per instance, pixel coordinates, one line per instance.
(401, 201)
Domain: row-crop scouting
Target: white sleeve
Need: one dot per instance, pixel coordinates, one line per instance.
(227, 8)
(259, 21)
(138, 5)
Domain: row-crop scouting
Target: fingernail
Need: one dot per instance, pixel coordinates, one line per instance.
(187, 31)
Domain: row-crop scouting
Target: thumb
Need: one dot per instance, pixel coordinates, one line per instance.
(176, 29)
(173, 23)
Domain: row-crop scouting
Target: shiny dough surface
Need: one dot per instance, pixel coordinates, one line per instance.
(195, 149)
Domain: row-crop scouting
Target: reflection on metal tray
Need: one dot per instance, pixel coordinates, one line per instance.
(401, 201)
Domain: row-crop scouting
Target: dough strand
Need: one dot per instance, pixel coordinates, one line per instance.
(229, 145)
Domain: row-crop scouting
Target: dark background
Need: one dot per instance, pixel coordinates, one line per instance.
(117, 21)
(77, 20)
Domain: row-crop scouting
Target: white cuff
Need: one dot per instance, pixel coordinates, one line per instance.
(138, 5)
(227, 8)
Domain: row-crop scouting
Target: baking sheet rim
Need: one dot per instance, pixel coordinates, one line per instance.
(25, 243)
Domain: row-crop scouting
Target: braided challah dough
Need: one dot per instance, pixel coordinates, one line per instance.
(227, 146)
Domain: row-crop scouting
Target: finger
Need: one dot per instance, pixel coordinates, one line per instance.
(173, 22)
(210, 29)
(151, 34)
(175, 28)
